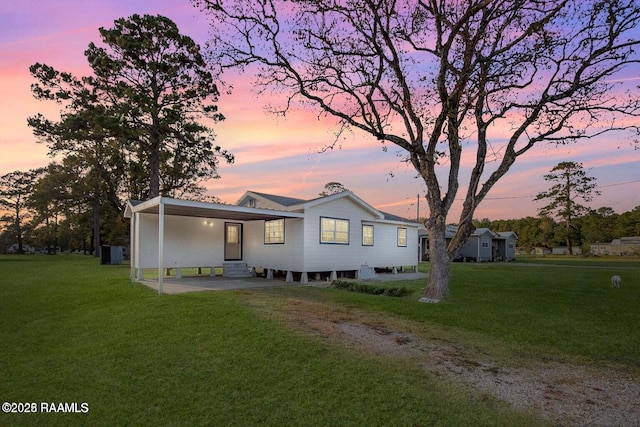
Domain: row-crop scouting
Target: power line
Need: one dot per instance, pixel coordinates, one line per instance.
(619, 183)
(616, 184)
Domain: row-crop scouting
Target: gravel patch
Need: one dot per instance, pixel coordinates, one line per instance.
(566, 394)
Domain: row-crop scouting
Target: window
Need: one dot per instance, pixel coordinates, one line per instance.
(232, 234)
(367, 235)
(274, 231)
(485, 243)
(402, 236)
(334, 230)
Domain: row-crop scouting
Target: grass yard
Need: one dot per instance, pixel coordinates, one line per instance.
(565, 309)
(75, 331)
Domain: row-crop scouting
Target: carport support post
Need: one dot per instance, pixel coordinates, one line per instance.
(132, 245)
(160, 246)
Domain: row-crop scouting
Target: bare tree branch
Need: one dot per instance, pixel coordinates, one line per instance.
(437, 78)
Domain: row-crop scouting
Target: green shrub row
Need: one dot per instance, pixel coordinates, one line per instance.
(370, 289)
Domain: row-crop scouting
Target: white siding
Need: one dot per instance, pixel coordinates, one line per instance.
(147, 247)
(385, 252)
(287, 256)
(188, 242)
(330, 257)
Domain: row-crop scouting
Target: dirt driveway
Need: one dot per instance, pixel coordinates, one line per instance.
(566, 394)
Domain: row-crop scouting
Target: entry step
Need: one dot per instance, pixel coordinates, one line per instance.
(235, 269)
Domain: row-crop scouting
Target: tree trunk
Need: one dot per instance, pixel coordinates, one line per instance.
(440, 270)
(568, 173)
(19, 230)
(154, 151)
(154, 171)
(97, 248)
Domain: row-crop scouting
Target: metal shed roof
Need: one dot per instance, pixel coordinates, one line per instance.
(190, 208)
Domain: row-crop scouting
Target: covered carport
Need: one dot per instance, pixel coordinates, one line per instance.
(163, 209)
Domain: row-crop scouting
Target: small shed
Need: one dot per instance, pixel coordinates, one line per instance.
(505, 246)
(479, 246)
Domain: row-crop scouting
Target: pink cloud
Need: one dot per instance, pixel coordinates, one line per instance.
(272, 155)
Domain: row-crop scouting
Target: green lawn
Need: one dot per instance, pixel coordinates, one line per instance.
(72, 330)
(565, 310)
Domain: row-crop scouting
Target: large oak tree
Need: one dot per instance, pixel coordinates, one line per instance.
(439, 78)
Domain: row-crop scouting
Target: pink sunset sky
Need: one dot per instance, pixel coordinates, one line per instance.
(278, 156)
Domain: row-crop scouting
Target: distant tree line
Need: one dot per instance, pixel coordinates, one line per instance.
(601, 225)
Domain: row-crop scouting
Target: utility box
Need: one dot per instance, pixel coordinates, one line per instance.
(111, 255)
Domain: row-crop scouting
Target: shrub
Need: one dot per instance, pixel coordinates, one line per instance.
(370, 289)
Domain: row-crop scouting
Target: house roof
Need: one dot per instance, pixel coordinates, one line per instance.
(192, 208)
(632, 240)
(344, 194)
(291, 208)
(281, 200)
(481, 231)
(451, 230)
(392, 217)
(506, 234)
(291, 203)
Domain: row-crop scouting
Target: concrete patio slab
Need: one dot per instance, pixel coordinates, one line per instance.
(174, 286)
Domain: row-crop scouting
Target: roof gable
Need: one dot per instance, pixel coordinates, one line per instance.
(272, 199)
(344, 194)
(507, 234)
(128, 209)
(481, 231)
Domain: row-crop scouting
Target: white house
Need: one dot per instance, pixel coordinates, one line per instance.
(328, 235)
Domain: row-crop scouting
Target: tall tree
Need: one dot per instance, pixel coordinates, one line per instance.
(53, 199)
(160, 83)
(94, 159)
(439, 77)
(15, 189)
(333, 188)
(143, 108)
(598, 225)
(570, 185)
(628, 223)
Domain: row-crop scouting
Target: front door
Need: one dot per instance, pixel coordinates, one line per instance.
(232, 241)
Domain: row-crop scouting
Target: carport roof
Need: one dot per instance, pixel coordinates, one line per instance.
(191, 208)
